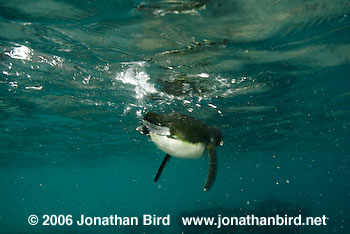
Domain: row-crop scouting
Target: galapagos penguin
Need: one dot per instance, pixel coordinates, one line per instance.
(182, 136)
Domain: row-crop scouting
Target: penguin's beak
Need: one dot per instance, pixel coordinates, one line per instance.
(139, 128)
(142, 130)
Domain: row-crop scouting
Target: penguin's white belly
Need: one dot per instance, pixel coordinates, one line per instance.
(178, 148)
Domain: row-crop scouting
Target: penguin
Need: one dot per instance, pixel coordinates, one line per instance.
(182, 136)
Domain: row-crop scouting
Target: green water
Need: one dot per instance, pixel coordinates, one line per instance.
(76, 77)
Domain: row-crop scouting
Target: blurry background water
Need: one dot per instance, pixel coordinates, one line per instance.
(77, 76)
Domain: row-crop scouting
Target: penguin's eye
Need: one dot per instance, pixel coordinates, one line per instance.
(221, 143)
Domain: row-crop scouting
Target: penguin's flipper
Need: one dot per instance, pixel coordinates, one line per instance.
(165, 160)
(212, 166)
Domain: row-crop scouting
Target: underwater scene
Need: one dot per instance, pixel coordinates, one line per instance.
(245, 104)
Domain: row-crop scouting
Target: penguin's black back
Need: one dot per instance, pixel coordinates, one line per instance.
(185, 127)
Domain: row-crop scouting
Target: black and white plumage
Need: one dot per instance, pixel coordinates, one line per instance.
(182, 136)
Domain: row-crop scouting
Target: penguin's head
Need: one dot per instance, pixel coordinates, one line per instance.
(216, 136)
(143, 129)
(152, 123)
